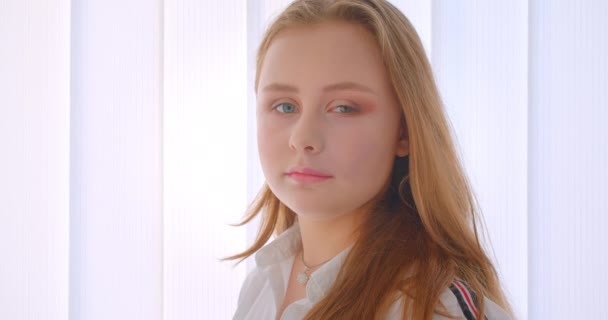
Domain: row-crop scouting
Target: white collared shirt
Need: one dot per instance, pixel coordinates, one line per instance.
(264, 288)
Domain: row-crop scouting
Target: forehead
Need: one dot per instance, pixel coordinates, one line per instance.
(330, 52)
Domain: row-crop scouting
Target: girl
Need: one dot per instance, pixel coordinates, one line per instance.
(373, 214)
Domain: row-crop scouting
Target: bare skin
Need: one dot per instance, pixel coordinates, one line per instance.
(295, 290)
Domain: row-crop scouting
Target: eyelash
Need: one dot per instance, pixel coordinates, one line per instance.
(352, 109)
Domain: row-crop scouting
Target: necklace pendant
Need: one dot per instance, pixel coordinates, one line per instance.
(302, 277)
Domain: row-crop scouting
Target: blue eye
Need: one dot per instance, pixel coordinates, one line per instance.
(285, 104)
(349, 108)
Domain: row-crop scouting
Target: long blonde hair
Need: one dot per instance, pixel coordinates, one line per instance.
(422, 232)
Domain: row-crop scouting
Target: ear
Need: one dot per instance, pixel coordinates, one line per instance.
(403, 148)
(403, 144)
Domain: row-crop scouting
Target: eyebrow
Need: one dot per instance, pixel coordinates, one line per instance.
(348, 85)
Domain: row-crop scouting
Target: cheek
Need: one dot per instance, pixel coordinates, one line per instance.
(269, 147)
(264, 142)
(270, 131)
(365, 156)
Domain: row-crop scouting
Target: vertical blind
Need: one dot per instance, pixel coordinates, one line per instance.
(116, 239)
(129, 145)
(34, 159)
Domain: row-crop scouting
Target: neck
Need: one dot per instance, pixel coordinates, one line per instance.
(324, 239)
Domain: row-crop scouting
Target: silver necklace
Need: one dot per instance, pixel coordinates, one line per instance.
(303, 276)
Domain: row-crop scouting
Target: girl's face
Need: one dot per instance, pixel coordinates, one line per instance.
(325, 102)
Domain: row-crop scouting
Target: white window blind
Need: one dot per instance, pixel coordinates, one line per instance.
(128, 145)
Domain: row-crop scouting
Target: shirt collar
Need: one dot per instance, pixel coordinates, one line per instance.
(282, 247)
(286, 246)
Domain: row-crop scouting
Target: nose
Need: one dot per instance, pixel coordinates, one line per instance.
(307, 134)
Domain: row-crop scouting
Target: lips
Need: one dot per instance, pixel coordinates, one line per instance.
(308, 171)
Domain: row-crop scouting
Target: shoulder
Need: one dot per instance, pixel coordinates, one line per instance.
(261, 290)
(461, 303)
(255, 300)
(253, 283)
